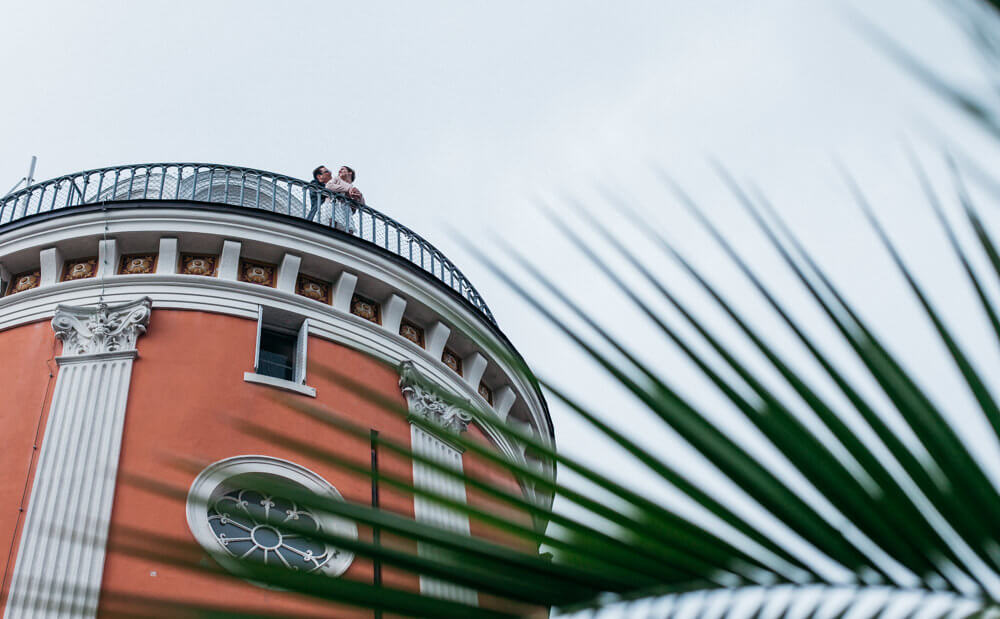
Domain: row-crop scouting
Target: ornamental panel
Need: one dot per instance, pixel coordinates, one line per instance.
(260, 273)
(79, 268)
(199, 264)
(137, 264)
(24, 281)
(486, 392)
(366, 308)
(452, 360)
(314, 289)
(412, 332)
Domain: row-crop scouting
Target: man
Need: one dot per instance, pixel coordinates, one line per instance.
(321, 175)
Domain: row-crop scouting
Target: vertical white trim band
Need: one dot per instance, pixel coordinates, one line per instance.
(424, 403)
(60, 559)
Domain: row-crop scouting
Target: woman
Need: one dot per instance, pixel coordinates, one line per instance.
(342, 210)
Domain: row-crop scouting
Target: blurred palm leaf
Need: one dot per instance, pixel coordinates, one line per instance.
(904, 527)
(898, 525)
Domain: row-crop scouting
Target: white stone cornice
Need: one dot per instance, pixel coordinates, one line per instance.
(101, 329)
(427, 404)
(329, 256)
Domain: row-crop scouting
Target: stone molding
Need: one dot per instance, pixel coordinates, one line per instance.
(101, 329)
(424, 403)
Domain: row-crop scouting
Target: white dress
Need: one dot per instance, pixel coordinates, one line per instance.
(341, 210)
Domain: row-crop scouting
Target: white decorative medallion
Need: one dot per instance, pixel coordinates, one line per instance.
(60, 559)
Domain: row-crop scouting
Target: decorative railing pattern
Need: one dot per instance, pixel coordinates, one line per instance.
(239, 187)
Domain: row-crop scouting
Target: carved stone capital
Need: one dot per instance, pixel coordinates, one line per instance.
(427, 404)
(101, 329)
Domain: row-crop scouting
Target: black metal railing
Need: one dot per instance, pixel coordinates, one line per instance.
(239, 187)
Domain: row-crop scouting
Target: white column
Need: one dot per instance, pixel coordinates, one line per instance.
(51, 265)
(5, 276)
(426, 405)
(229, 261)
(107, 258)
(343, 290)
(435, 338)
(166, 262)
(503, 399)
(473, 367)
(60, 560)
(392, 313)
(288, 272)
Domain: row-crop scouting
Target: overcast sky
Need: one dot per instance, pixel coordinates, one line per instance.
(462, 118)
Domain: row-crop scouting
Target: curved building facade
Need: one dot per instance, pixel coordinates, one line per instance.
(171, 326)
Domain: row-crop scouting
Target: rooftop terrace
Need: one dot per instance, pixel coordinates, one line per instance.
(238, 188)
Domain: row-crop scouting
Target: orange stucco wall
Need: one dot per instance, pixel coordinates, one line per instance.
(188, 401)
(27, 374)
(188, 407)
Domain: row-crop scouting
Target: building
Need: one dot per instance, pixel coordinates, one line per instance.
(150, 315)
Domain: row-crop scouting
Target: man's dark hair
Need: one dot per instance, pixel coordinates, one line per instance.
(316, 172)
(351, 170)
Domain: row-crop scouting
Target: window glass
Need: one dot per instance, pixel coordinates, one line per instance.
(277, 354)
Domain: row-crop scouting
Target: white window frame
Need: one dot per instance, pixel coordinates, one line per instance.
(220, 476)
(277, 320)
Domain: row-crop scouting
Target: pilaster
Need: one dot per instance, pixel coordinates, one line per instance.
(60, 559)
(427, 405)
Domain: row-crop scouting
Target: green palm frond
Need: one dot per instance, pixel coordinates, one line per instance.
(857, 521)
(897, 524)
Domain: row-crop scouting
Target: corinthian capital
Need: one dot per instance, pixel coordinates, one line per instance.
(101, 329)
(427, 404)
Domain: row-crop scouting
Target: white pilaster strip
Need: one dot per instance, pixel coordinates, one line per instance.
(503, 399)
(60, 560)
(166, 262)
(436, 337)
(426, 405)
(473, 368)
(288, 272)
(392, 313)
(229, 261)
(51, 264)
(107, 258)
(343, 290)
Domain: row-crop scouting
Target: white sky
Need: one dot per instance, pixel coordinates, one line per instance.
(464, 116)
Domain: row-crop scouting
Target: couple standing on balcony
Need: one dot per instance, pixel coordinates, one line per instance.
(339, 212)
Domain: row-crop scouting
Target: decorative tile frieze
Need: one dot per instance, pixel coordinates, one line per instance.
(486, 392)
(412, 332)
(79, 268)
(313, 288)
(137, 264)
(199, 264)
(452, 360)
(255, 272)
(366, 308)
(24, 281)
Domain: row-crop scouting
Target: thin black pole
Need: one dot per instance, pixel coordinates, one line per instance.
(376, 534)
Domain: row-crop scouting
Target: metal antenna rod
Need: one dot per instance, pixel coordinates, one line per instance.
(31, 170)
(30, 178)
(14, 188)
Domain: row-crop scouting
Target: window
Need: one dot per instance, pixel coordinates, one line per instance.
(235, 511)
(281, 351)
(276, 356)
